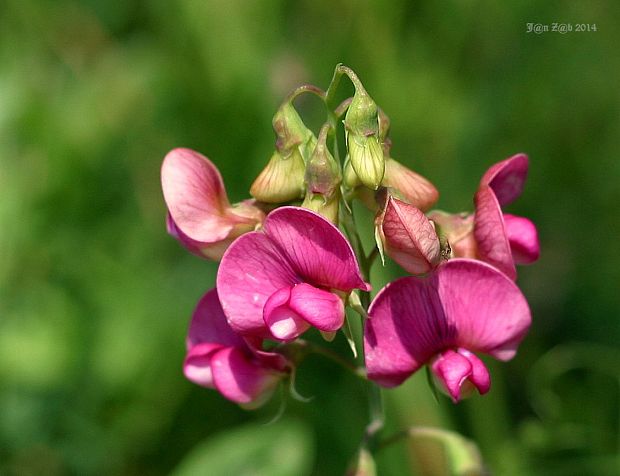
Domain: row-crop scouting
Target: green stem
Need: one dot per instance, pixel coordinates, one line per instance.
(304, 89)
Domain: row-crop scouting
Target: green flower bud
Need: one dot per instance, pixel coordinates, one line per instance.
(350, 178)
(366, 155)
(282, 180)
(326, 207)
(323, 174)
(362, 134)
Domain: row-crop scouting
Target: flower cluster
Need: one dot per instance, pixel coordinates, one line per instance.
(286, 267)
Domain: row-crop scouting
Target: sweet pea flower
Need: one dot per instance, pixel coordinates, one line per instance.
(293, 274)
(199, 213)
(220, 359)
(461, 308)
(490, 235)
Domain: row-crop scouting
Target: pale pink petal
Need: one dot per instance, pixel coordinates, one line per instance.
(208, 324)
(523, 239)
(480, 376)
(241, 379)
(407, 326)
(197, 364)
(451, 370)
(317, 251)
(212, 251)
(409, 237)
(323, 309)
(490, 233)
(195, 196)
(412, 187)
(252, 269)
(284, 323)
(485, 307)
(506, 178)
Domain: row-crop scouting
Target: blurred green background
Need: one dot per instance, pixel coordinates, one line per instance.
(95, 298)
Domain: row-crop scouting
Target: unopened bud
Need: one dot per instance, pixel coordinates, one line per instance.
(408, 237)
(281, 180)
(323, 174)
(362, 134)
(409, 186)
(326, 207)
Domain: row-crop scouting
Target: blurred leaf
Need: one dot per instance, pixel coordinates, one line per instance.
(282, 449)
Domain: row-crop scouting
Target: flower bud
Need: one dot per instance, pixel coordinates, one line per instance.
(323, 174)
(323, 178)
(408, 185)
(362, 135)
(326, 207)
(408, 237)
(282, 180)
(350, 178)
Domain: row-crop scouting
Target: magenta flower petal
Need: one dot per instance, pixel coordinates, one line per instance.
(197, 364)
(241, 379)
(316, 249)
(295, 246)
(323, 309)
(506, 178)
(490, 233)
(209, 324)
(283, 322)
(523, 238)
(252, 269)
(452, 370)
(195, 195)
(488, 310)
(462, 304)
(480, 376)
(409, 238)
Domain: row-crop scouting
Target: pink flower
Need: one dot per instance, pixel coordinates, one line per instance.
(463, 306)
(291, 275)
(199, 213)
(489, 234)
(220, 359)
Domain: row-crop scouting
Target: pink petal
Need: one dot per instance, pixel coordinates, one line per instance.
(283, 322)
(490, 233)
(407, 326)
(409, 237)
(463, 303)
(197, 364)
(412, 187)
(195, 196)
(452, 370)
(506, 178)
(523, 239)
(323, 309)
(240, 378)
(209, 325)
(480, 376)
(317, 251)
(252, 269)
(487, 309)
